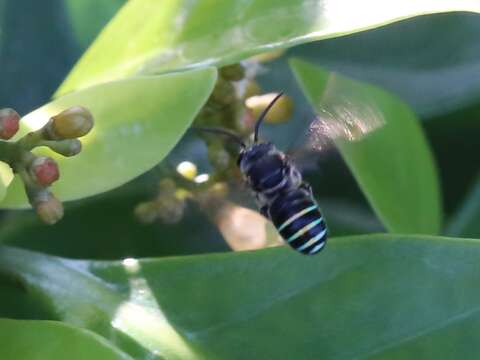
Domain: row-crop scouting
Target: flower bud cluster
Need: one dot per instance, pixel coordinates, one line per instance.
(9, 123)
(168, 207)
(38, 173)
(173, 193)
(235, 104)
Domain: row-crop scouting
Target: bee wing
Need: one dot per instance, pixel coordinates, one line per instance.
(342, 121)
(343, 117)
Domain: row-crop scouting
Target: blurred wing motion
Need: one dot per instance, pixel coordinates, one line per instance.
(342, 119)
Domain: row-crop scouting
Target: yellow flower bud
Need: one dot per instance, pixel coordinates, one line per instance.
(171, 210)
(166, 187)
(69, 147)
(146, 212)
(202, 178)
(183, 194)
(187, 169)
(223, 93)
(280, 112)
(49, 209)
(252, 88)
(217, 155)
(72, 123)
(234, 72)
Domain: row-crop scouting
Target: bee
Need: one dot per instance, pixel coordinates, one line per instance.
(277, 185)
(279, 190)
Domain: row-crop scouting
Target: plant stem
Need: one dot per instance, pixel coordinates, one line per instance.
(31, 140)
(14, 154)
(9, 152)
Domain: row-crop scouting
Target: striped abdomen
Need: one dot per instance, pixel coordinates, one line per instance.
(298, 219)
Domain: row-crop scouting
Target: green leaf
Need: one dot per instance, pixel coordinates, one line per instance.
(27, 340)
(138, 121)
(434, 79)
(6, 177)
(150, 36)
(88, 17)
(451, 146)
(466, 221)
(363, 297)
(393, 165)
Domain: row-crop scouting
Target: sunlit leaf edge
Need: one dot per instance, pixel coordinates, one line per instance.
(239, 54)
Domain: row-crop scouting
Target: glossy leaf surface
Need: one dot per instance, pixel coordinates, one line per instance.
(137, 122)
(393, 164)
(149, 36)
(27, 340)
(273, 303)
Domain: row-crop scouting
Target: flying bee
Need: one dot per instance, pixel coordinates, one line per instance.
(278, 187)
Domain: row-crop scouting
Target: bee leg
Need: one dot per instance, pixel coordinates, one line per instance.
(262, 204)
(307, 187)
(264, 211)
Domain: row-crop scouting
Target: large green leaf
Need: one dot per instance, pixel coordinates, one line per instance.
(393, 165)
(150, 36)
(378, 296)
(138, 121)
(466, 221)
(28, 340)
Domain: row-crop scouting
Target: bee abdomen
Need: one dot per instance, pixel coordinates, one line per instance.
(299, 221)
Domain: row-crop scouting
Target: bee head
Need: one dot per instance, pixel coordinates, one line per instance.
(248, 154)
(254, 152)
(257, 150)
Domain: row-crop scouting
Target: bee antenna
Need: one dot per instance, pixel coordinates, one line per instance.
(262, 115)
(221, 131)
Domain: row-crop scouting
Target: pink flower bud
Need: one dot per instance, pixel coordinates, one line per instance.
(9, 123)
(44, 170)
